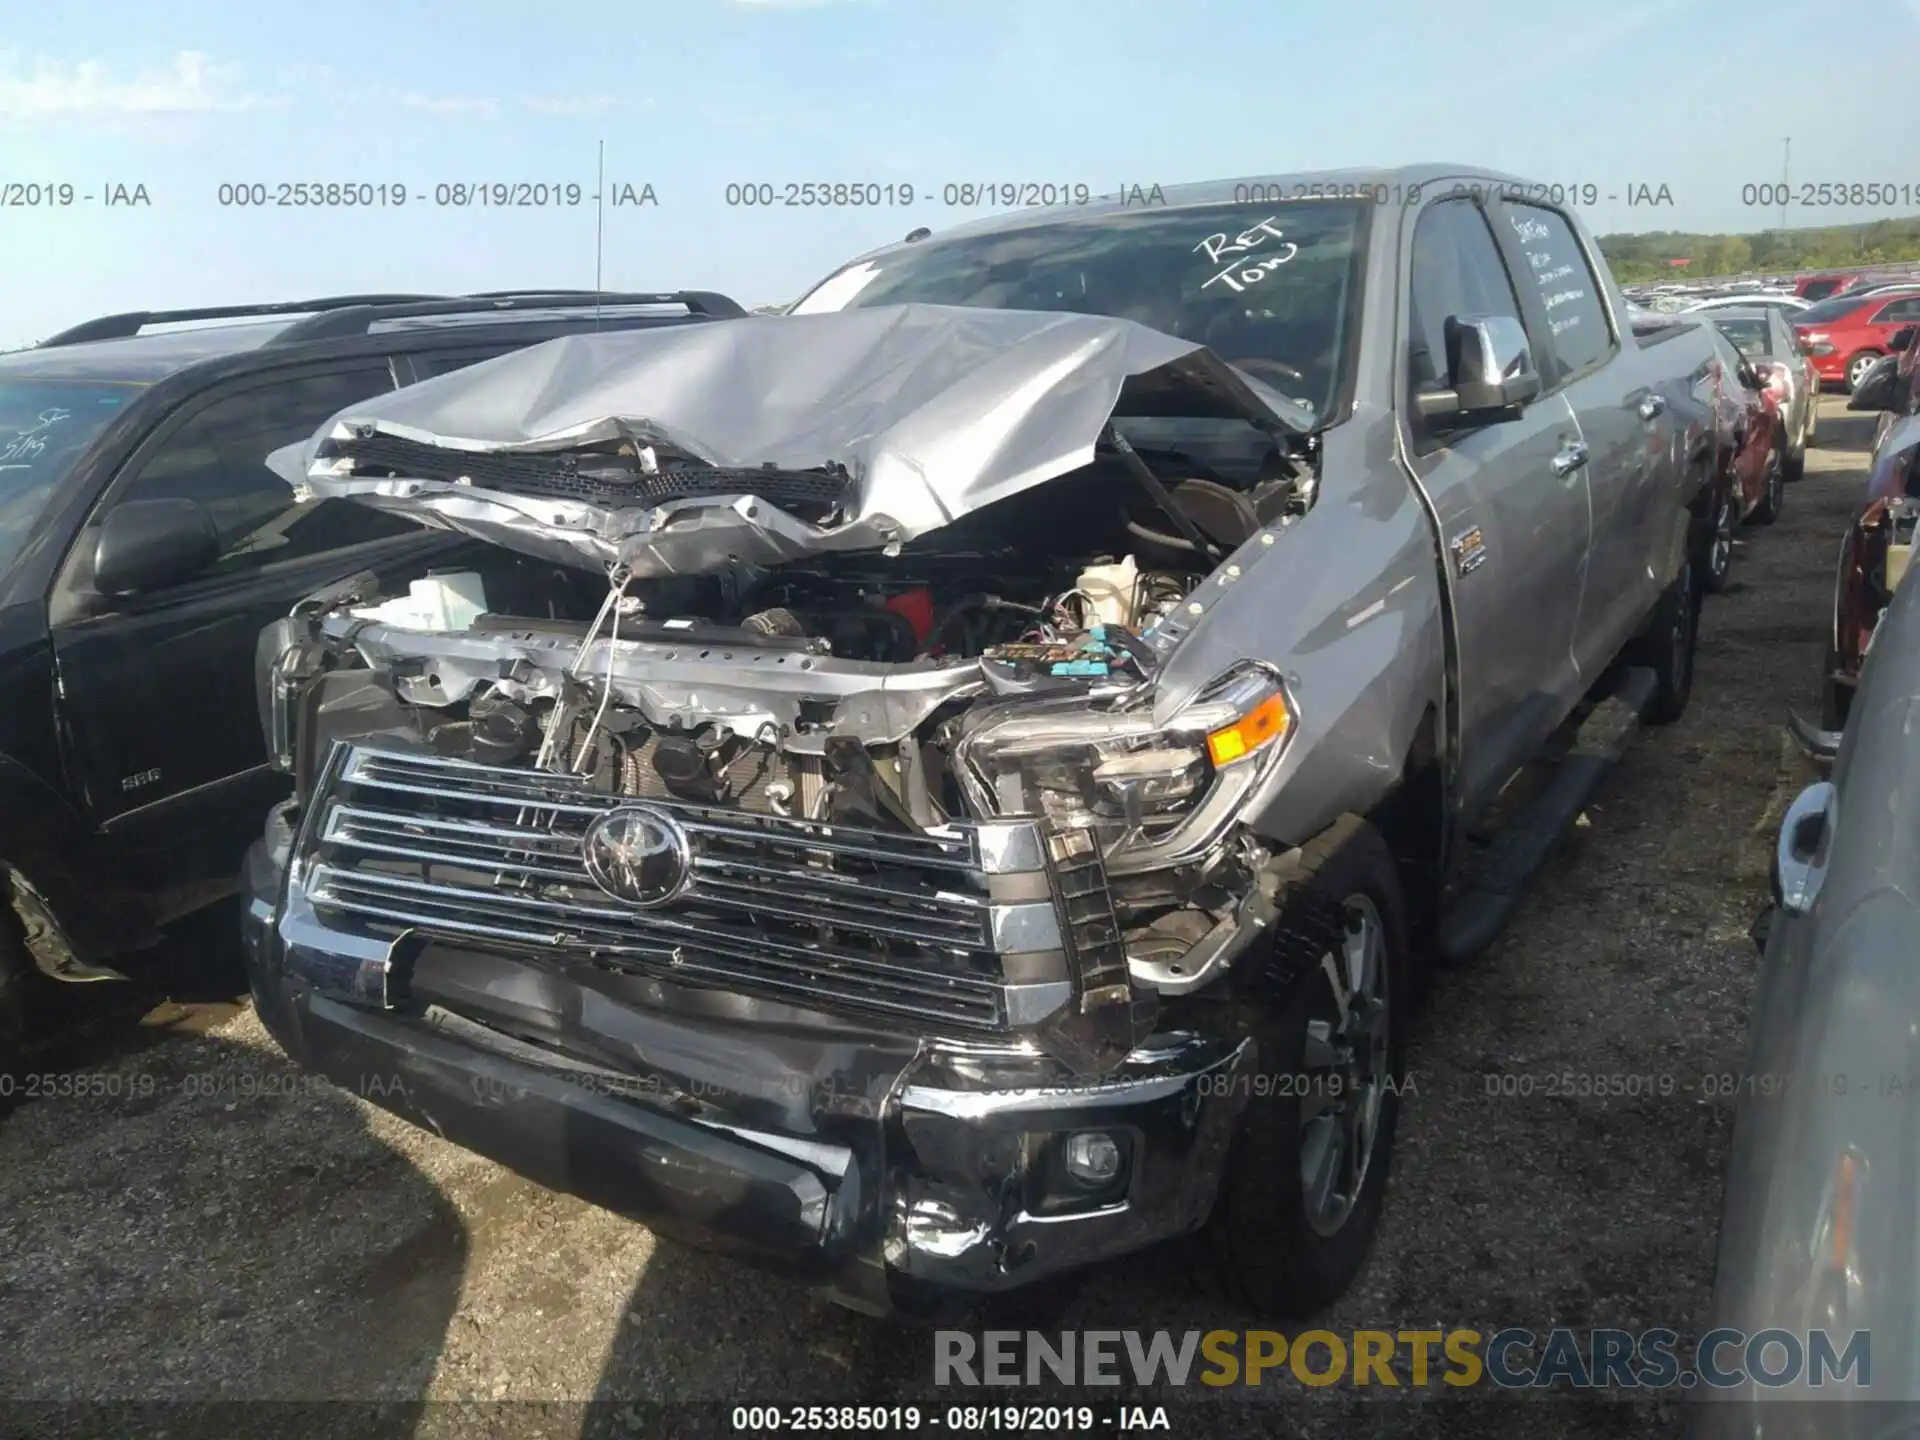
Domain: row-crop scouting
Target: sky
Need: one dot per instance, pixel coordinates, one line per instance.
(692, 96)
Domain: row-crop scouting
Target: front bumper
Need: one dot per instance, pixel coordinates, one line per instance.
(878, 1167)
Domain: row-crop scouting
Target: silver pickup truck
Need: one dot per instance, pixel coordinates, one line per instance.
(1004, 738)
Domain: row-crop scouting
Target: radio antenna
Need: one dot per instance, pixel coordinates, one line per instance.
(599, 230)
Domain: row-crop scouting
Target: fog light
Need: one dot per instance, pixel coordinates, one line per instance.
(1093, 1157)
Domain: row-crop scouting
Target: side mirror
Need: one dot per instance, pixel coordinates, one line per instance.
(1903, 338)
(147, 544)
(1490, 371)
(1879, 388)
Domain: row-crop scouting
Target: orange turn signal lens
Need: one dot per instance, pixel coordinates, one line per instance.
(1266, 722)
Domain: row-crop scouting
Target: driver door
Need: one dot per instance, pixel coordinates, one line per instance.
(1511, 503)
(159, 728)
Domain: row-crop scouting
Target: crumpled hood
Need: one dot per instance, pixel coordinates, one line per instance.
(932, 411)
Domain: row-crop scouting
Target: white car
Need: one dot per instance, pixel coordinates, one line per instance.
(1775, 301)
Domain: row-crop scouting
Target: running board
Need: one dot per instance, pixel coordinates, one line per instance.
(1499, 876)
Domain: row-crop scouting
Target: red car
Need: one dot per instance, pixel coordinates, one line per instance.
(1882, 535)
(1753, 446)
(1819, 287)
(1846, 334)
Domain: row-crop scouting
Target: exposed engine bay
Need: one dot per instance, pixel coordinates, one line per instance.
(1049, 592)
(1001, 666)
(764, 638)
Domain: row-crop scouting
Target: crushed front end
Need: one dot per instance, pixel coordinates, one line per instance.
(837, 910)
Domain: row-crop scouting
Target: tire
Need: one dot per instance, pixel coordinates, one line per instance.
(1796, 464)
(1667, 648)
(1858, 364)
(1775, 495)
(1268, 1246)
(1713, 549)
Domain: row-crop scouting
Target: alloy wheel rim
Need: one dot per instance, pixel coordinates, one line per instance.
(1859, 370)
(1722, 551)
(1346, 1070)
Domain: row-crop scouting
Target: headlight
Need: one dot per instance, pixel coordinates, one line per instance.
(1116, 771)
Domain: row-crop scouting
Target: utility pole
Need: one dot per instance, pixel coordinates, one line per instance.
(1786, 169)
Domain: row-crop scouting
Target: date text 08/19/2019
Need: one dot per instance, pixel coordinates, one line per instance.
(953, 1419)
(443, 194)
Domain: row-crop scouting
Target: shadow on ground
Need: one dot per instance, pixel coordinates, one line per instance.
(152, 1185)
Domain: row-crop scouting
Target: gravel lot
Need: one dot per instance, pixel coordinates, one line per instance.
(220, 1227)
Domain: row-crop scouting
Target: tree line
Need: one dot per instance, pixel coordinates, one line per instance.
(1645, 256)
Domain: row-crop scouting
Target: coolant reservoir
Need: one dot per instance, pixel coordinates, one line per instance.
(451, 600)
(1110, 590)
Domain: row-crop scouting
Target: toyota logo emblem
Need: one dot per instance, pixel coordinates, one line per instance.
(639, 855)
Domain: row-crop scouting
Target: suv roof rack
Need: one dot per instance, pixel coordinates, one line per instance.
(358, 319)
(122, 327)
(330, 317)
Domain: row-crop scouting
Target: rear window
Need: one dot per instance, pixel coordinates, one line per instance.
(45, 427)
(1748, 336)
(1828, 310)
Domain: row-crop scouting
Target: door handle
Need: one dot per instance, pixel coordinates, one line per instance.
(1571, 457)
(1800, 857)
(1651, 406)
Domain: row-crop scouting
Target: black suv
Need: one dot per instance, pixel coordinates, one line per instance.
(144, 545)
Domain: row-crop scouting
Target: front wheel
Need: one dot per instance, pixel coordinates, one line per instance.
(1667, 648)
(1301, 1197)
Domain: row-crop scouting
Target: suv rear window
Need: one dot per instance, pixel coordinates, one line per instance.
(45, 427)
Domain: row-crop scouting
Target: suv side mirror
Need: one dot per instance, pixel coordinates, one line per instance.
(1879, 388)
(147, 544)
(1903, 338)
(1490, 371)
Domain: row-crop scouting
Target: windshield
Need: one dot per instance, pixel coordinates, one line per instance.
(1750, 336)
(44, 427)
(1828, 310)
(1269, 288)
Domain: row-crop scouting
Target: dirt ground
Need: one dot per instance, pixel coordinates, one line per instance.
(199, 1220)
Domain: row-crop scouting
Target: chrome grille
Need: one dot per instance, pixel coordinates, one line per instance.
(895, 924)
